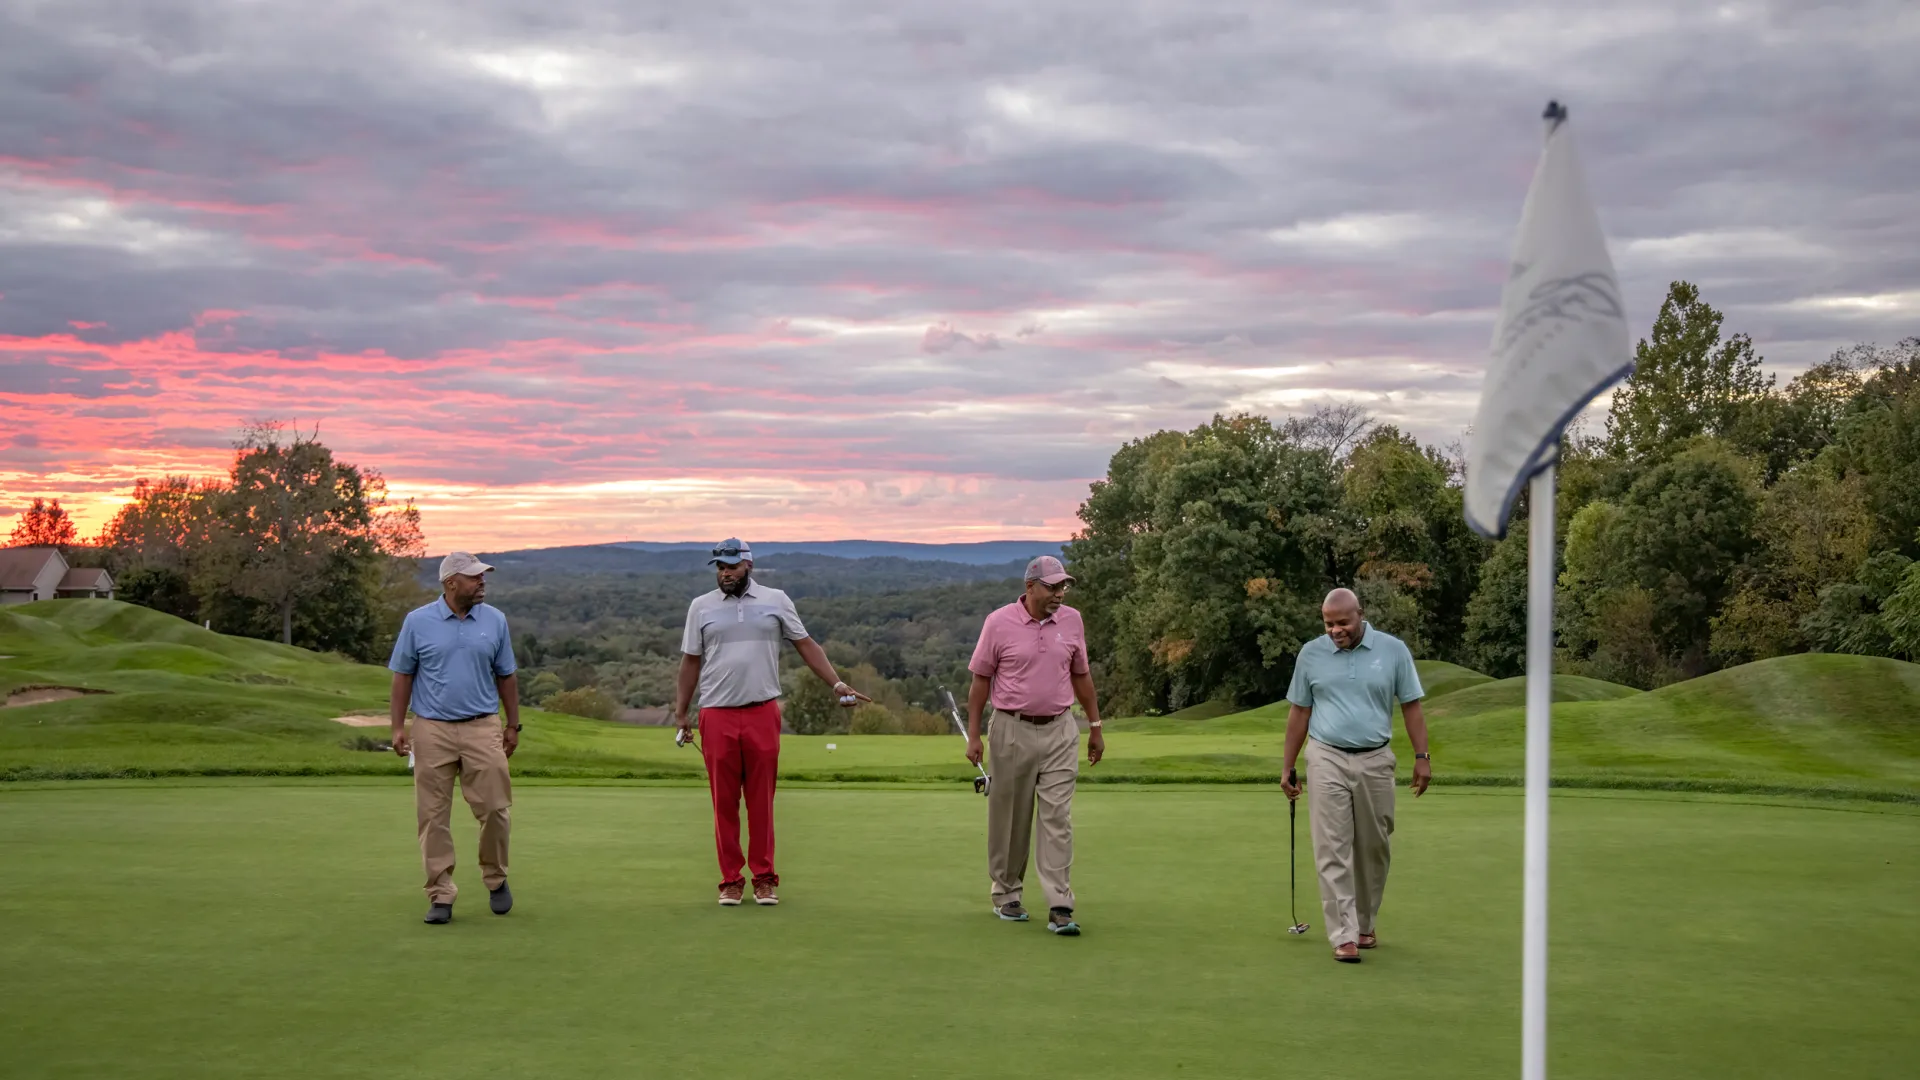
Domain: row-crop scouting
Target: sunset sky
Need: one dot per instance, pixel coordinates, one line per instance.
(571, 272)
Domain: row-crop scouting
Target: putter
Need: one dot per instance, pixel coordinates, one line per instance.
(982, 783)
(687, 737)
(1293, 807)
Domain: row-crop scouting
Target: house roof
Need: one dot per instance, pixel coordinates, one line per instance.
(87, 577)
(21, 566)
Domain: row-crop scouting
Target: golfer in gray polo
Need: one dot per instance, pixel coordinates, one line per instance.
(1340, 706)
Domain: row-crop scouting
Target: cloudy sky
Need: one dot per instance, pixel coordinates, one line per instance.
(572, 272)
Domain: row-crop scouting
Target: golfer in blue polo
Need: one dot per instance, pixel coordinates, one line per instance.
(1340, 706)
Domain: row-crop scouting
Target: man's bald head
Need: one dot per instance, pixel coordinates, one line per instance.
(1340, 613)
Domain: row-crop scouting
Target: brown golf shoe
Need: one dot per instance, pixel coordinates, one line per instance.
(731, 892)
(763, 894)
(1369, 941)
(1347, 952)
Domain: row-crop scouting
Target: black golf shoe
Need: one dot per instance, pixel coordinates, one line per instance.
(500, 899)
(439, 914)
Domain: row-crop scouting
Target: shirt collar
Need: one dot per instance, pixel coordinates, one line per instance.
(446, 609)
(1020, 602)
(752, 589)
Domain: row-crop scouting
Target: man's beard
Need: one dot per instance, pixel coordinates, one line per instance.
(736, 588)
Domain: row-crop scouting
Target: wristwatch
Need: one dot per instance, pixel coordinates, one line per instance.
(513, 727)
(1423, 757)
(1095, 723)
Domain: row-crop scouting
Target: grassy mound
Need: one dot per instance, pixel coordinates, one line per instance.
(1816, 720)
(182, 701)
(1512, 693)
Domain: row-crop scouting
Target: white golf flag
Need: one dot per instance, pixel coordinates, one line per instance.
(1561, 340)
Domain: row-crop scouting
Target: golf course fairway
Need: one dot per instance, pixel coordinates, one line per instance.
(271, 927)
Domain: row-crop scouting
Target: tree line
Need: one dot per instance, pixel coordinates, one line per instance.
(1718, 519)
(591, 644)
(291, 545)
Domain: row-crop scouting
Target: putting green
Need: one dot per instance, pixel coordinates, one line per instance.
(243, 928)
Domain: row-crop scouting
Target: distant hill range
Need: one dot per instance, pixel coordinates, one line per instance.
(894, 563)
(643, 557)
(981, 553)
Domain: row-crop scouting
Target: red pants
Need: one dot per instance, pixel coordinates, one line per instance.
(742, 748)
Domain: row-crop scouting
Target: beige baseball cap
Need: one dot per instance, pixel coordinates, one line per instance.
(461, 562)
(1047, 570)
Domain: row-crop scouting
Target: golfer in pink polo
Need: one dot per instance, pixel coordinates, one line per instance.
(1031, 666)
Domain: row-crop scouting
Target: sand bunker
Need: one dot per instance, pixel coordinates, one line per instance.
(361, 721)
(36, 695)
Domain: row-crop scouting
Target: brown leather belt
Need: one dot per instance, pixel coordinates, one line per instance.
(1032, 719)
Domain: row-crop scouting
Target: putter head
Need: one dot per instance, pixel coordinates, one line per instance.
(980, 785)
(1300, 928)
(681, 736)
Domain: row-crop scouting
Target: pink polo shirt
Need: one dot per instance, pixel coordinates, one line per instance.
(1031, 661)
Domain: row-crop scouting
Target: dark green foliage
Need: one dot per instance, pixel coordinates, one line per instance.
(1205, 557)
(1688, 524)
(160, 589)
(1688, 382)
(1849, 620)
(1496, 617)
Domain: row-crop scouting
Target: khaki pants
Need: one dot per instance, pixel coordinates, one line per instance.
(1033, 767)
(1350, 797)
(471, 750)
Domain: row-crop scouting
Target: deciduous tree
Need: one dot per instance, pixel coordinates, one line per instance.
(43, 523)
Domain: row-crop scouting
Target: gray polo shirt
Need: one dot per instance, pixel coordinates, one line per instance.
(1351, 691)
(738, 642)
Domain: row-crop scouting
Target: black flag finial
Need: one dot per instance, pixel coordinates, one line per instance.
(1555, 115)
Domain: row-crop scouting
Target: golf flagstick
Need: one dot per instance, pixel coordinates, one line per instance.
(982, 783)
(1293, 862)
(1561, 340)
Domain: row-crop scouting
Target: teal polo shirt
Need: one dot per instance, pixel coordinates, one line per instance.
(1351, 691)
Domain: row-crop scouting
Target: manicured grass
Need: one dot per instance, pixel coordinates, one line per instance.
(271, 928)
(187, 702)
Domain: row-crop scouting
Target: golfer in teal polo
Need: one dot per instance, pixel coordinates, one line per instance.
(1340, 706)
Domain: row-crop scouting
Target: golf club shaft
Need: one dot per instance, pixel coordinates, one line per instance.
(1293, 858)
(953, 711)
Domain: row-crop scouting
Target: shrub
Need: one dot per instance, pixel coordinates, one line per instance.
(588, 701)
(874, 720)
(922, 722)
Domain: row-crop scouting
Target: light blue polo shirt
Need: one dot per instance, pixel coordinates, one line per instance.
(454, 661)
(1351, 691)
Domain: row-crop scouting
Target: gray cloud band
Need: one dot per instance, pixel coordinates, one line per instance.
(1086, 222)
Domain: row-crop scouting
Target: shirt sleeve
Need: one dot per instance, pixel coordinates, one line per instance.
(406, 652)
(1406, 680)
(690, 637)
(503, 662)
(790, 623)
(1300, 690)
(986, 657)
